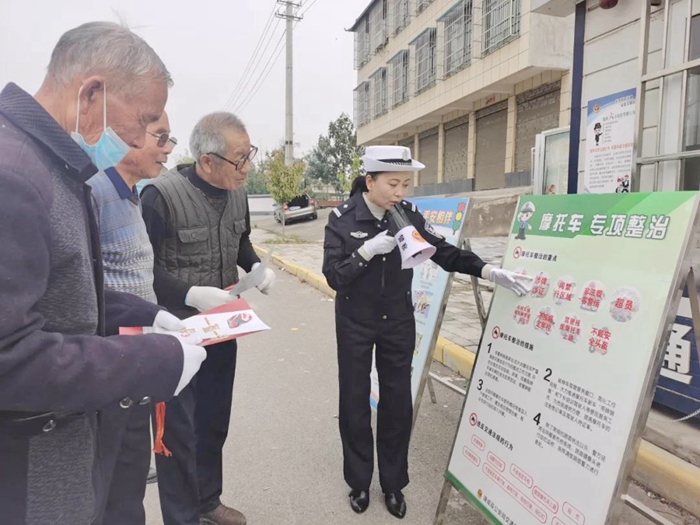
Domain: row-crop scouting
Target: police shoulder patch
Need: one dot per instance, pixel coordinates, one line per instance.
(346, 206)
(409, 206)
(432, 231)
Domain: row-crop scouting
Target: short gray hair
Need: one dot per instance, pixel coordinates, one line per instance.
(208, 135)
(108, 49)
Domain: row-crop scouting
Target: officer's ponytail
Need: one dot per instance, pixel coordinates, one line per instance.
(360, 183)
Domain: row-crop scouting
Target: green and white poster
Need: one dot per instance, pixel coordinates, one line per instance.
(563, 375)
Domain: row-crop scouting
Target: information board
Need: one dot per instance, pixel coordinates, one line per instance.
(430, 287)
(679, 384)
(563, 378)
(609, 143)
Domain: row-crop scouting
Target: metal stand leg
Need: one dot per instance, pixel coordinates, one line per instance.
(646, 511)
(480, 308)
(431, 390)
(442, 504)
(447, 384)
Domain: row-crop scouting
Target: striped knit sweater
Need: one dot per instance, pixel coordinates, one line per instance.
(126, 248)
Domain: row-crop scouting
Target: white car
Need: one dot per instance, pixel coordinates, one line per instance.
(299, 208)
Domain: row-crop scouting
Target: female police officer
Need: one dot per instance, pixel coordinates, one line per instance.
(374, 309)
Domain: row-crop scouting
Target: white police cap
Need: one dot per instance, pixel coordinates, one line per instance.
(389, 158)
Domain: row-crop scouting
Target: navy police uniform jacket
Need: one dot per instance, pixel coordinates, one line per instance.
(379, 289)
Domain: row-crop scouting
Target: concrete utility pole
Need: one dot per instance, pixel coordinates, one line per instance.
(290, 16)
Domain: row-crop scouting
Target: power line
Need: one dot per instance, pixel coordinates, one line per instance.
(251, 74)
(307, 8)
(261, 79)
(253, 57)
(258, 83)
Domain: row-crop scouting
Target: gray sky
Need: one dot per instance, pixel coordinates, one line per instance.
(206, 45)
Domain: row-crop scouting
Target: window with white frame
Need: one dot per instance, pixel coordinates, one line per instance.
(367, 101)
(361, 44)
(424, 46)
(501, 23)
(377, 25)
(457, 23)
(398, 76)
(422, 5)
(378, 80)
(400, 16)
(361, 103)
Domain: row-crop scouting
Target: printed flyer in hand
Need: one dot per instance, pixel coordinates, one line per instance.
(564, 374)
(226, 322)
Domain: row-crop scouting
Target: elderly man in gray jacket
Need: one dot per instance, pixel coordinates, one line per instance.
(57, 369)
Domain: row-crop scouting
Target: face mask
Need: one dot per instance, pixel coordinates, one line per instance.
(110, 149)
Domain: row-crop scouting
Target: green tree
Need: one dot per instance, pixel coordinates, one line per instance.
(334, 153)
(345, 179)
(257, 185)
(184, 158)
(284, 182)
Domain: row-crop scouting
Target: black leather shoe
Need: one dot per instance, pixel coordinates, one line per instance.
(359, 500)
(396, 504)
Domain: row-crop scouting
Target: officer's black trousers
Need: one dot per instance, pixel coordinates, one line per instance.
(395, 342)
(190, 482)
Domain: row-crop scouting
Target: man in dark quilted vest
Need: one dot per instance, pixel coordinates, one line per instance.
(199, 225)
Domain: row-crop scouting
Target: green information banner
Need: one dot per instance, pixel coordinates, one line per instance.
(563, 376)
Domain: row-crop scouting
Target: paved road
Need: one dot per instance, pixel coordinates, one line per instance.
(307, 230)
(283, 461)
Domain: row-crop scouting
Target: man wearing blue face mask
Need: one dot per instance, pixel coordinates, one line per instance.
(58, 369)
(109, 149)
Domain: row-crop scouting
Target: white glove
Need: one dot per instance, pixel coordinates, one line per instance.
(167, 321)
(379, 245)
(205, 298)
(518, 283)
(193, 357)
(268, 281)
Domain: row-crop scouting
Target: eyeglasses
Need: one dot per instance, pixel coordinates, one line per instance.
(163, 138)
(238, 164)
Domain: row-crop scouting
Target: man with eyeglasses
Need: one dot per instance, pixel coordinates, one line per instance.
(128, 267)
(199, 224)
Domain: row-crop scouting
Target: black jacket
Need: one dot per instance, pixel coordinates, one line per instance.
(379, 288)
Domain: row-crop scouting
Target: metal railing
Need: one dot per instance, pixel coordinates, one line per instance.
(457, 23)
(361, 44)
(425, 47)
(501, 23)
(398, 78)
(361, 104)
(377, 26)
(378, 80)
(422, 5)
(400, 16)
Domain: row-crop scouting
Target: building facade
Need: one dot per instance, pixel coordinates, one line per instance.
(646, 51)
(466, 84)
(652, 47)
